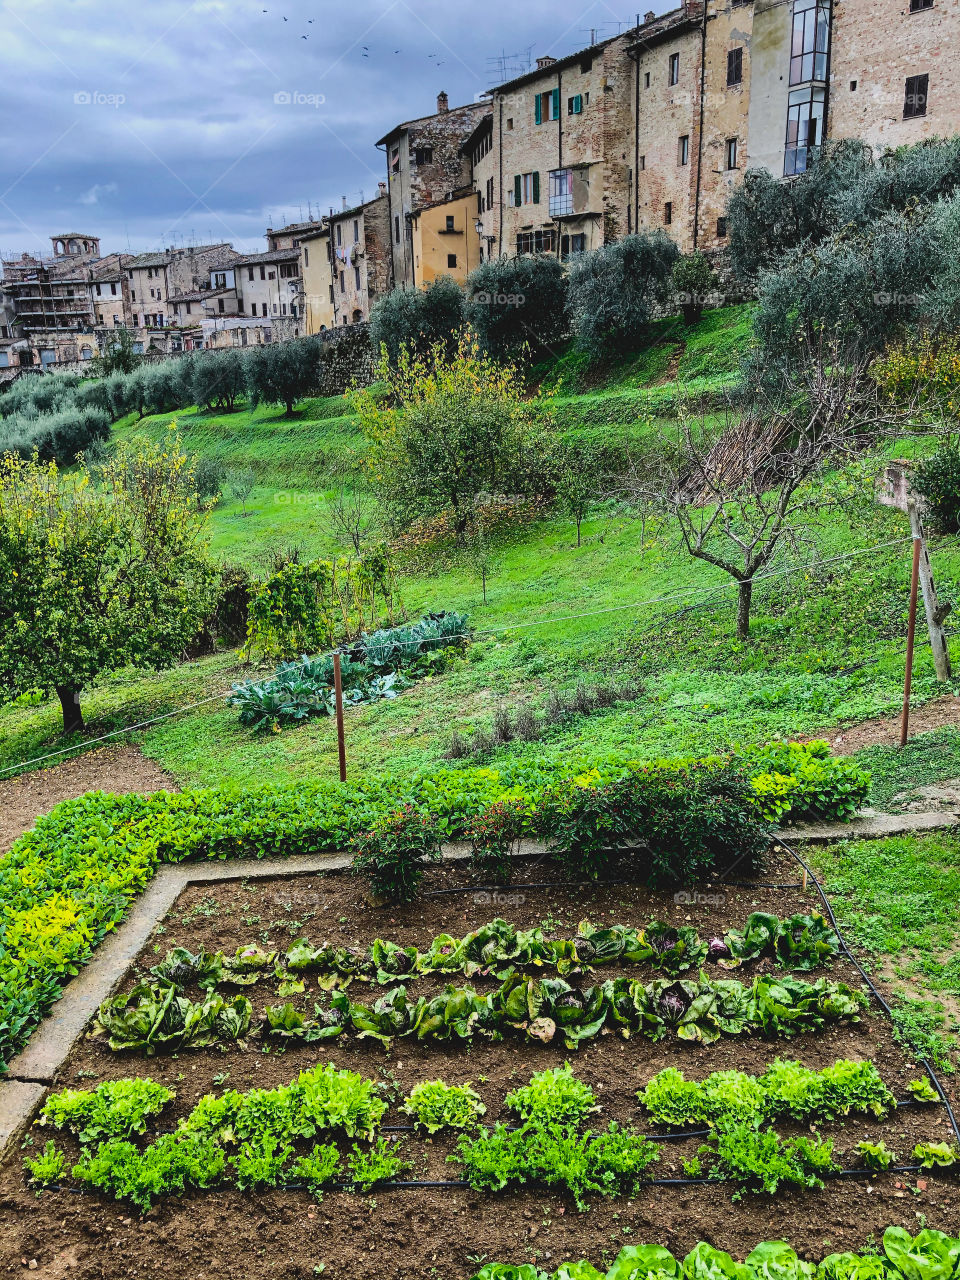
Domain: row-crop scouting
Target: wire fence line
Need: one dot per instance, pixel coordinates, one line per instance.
(671, 597)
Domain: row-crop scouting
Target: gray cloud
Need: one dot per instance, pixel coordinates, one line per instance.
(141, 123)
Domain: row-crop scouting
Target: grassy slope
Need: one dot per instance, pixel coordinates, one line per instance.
(823, 651)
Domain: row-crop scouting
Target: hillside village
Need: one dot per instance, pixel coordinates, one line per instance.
(651, 128)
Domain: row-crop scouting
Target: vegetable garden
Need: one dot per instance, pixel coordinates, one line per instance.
(582, 1077)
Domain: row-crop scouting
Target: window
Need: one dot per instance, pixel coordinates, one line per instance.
(395, 160)
(546, 106)
(646, 79)
(271, 275)
(570, 245)
(526, 189)
(575, 105)
(331, 294)
(805, 115)
(220, 306)
(731, 153)
(489, 193)
(450, 222)
(452, 261)
(683, 150)
(917, 6)
(642, 163)
(535, 242)
(263, 272)
(249, 273)
(721, 228)
(915, 97)
(668, 213)
(356, 278)
(810, 42)
(586, 64)
(561, 192)
(113, 290)
(510, 124)
(423, 155)
(673, 75)
(734, 66)
(356, 231)
(853, 86)
(189, 307)
(306, 256)
(396, 228)
(288, 271)
(343, 283)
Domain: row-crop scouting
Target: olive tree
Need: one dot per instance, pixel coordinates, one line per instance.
(96, 576)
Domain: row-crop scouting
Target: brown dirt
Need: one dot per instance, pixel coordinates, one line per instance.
(886, 730)
(29, 796)
(413, 1233)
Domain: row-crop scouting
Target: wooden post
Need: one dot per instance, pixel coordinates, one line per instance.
(935, 613)
(338, 693)
(911, 634)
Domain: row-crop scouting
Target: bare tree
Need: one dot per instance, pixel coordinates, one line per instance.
(745, 488)
(353, 516)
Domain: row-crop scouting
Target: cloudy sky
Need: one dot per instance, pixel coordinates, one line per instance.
(148, 123)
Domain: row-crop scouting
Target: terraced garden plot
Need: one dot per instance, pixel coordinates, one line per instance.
(412, 1230)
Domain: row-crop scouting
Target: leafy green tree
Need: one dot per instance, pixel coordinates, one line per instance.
(613, 290)
(518, 302)
(283, 373)
(444, 429)
(97, 576)
(417, 319)
(693, 280)
(579, 472)
(116, 355)
(217, 380)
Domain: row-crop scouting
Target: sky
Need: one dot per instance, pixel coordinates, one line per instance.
(151, 124)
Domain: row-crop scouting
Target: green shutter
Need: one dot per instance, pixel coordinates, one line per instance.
(538, 109)
(536, 188)
(577, 104)
(518, 190)
(555, 95)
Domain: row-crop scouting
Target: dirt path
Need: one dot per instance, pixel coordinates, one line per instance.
(886, 730)
(31, 795)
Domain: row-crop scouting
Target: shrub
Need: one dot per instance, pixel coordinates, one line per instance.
(693, 281)
(612, 292)
(516, 303)
(283, 373)
(416, 321)
(937, 481)
(493, 837)
(392, 854)
(59, 436)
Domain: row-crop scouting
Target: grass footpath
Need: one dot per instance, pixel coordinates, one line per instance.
(899, 899)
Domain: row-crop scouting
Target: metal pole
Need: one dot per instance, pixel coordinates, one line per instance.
(911, 634)
(338, 693)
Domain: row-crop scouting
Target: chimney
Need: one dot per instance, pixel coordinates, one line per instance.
(649, 17)
(343, 204)
(443, 103)
(382, 188)
(544, 62)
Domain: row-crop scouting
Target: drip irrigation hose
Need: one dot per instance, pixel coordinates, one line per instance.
(844, 947)
(590, 884)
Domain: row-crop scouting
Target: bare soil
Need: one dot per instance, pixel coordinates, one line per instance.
(30, 796)
(885, 731)
(443, 1232)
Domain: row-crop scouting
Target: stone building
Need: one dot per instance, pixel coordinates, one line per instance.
(269, 283)
(316, 281)
(446, 240)
(361, 259)
(425, 162)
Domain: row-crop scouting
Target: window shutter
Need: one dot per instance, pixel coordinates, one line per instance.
(536, 188)
(538, 109)
(555, 97)
(577, 104)
(518, 190)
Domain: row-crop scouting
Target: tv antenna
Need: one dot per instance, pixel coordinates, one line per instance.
(507, 65)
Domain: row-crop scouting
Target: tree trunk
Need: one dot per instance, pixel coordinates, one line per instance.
(70, 704)
(579, 522)
(744, 601)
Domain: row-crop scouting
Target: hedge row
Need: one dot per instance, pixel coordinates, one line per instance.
(69, 881)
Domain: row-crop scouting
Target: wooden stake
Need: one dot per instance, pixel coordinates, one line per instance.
(338, 693)
(911, 635)
(935, 614)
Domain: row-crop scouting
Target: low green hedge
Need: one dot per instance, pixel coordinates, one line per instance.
(69, 881)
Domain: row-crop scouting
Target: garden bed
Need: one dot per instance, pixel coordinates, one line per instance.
(421, 1231)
